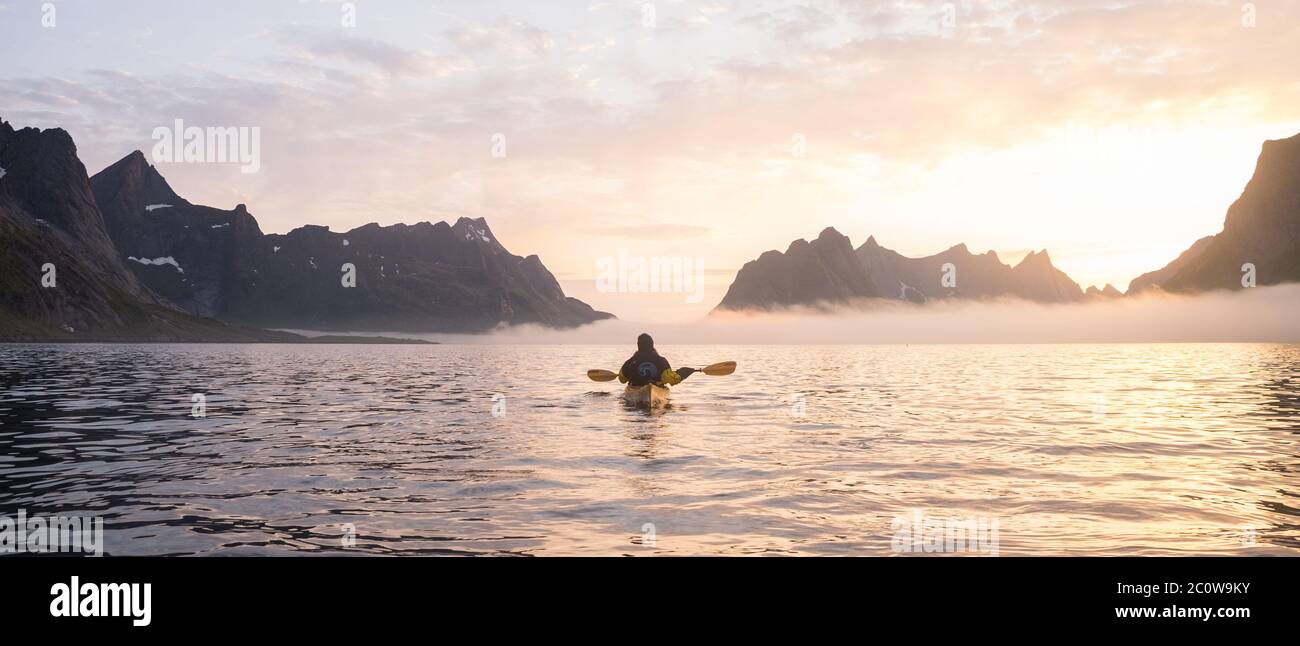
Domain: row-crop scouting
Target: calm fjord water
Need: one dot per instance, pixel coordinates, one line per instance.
(1073, 449)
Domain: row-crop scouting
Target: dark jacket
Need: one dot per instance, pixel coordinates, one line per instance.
(648, 367)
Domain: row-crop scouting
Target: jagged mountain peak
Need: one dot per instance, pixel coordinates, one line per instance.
(52, 136)
(464, 229)
(46, 181)
(808, 273)
(134, 162)
(474, 230)
(1279, 152)
(138, 181)
(1035, 259)
(831, 233)
(48, 214)
(424, 277)
(467, 221)
(1108, 291)
(811, 274)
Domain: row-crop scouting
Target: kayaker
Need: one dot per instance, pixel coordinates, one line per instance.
(647, 366)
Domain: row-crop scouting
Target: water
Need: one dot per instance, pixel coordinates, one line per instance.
(1076, 449)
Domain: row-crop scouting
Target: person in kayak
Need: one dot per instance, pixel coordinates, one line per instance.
(647, 366)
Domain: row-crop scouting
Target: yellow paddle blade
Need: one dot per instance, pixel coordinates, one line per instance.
(601, 375)
(720, 369)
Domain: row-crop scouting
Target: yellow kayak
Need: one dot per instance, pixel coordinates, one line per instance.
(649, 396)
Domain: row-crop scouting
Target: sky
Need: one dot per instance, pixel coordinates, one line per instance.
(1111, 133)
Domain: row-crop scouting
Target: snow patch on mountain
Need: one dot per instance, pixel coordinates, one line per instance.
(165, 260)
(479, 233)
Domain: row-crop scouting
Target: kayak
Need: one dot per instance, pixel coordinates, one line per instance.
(648, 396)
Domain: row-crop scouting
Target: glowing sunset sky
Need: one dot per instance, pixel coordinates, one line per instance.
(1112, 133)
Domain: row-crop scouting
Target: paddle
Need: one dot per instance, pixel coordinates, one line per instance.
(719, 369)
(716, 370)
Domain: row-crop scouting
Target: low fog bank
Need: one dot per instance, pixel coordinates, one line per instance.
(1263, 314)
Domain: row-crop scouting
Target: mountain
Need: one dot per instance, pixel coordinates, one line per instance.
(808, 273)
(416, 278)
(60, 275)
(130, 190)
(1106, 292)
(1154, 279)
(829, 271)
(958, 273)
(1262, 228)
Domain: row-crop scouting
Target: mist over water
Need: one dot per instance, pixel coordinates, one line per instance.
(1262, 314)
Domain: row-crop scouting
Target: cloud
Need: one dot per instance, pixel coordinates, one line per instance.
(1005, 72)
(896, 90)
(510, 37)
(652, 230)
(356, 50)
(604, 43)
(790, 23)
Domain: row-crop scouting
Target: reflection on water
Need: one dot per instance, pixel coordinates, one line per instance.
(1089, 449)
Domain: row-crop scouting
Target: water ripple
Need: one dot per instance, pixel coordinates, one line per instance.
(1089, 449)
